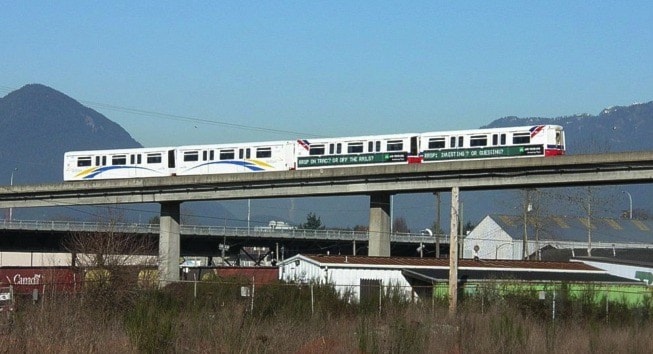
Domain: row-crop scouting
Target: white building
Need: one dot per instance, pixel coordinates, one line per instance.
(419, 278)
(502, 236)
(349, 274)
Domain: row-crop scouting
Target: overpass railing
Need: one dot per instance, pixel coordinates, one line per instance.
(210, 231)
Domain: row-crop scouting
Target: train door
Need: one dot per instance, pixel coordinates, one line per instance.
(172, 167)
(413, 154)
(243, 155)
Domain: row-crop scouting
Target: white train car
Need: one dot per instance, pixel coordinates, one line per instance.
(235, 158)
(122, 163)
(510, 142)
(357, 151)
(527, 141)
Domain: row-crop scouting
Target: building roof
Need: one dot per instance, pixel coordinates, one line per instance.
(573, 228)
(476, 275)
(432, 269)
(413, 263)
(632, 256)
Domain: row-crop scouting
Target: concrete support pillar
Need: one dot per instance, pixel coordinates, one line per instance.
(169, 243)
(453, 253)
(379, 242)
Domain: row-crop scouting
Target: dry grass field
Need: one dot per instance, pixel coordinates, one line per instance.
(215, 318)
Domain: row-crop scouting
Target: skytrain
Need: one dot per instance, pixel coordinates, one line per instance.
(409, 148)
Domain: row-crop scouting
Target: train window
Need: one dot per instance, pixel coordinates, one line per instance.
(227, 154)
(97, 160)
(332, 149)
(521, 138)
(139, 159)
(119, 160)
(353, 148)
(503, 139)
(378, 146)
(436, 143)
(395, 145)
(453, 142)
(132, 159)
(212, 155)
(316, 150)
(478, 140)
(204, 155)
(338, 148)
(495, 139)
(370, 146)
(154, 158)
(191, 156)
(104, 160)
(84, 161)
(263, 152)
(460, 141)
(247, 153)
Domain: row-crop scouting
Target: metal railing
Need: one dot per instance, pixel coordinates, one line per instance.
(211, 231)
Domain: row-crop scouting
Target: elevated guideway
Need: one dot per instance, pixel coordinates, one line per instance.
(378, 182)
(570, 170)
(29, 235)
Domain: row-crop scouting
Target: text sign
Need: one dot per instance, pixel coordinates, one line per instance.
(486, 152)
(357, 159)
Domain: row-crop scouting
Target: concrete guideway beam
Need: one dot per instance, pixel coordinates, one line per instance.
(169, 243)
(379, 230)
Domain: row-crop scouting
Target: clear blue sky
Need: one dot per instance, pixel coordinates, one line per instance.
(186, 72)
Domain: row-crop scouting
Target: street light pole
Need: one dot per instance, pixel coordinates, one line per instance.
(11, 183)
(630, 205)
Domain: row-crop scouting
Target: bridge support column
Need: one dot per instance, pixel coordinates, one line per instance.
(379, 242)
(169, 243)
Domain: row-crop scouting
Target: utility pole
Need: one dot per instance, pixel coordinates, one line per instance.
(589, 222)
(453, 253)
(437, 224)
(525, 240)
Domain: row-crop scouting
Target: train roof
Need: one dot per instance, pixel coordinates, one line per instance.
(364, 137)
(235, 145)
(119, 151)
(489, 130)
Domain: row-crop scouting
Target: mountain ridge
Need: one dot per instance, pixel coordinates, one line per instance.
(38, 124)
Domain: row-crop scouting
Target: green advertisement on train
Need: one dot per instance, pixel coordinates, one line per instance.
(485, 152)
(357, 159)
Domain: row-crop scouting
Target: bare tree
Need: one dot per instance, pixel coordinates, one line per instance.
(400, 226)
(111, 247)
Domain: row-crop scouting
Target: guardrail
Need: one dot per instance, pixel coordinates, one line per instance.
(211, 231)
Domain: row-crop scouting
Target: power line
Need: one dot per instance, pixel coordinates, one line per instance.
(182, 118)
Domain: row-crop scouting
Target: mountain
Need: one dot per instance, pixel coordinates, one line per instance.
(38, 124)
(614, 129)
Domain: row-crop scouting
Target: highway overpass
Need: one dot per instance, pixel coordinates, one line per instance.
(378, 182)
